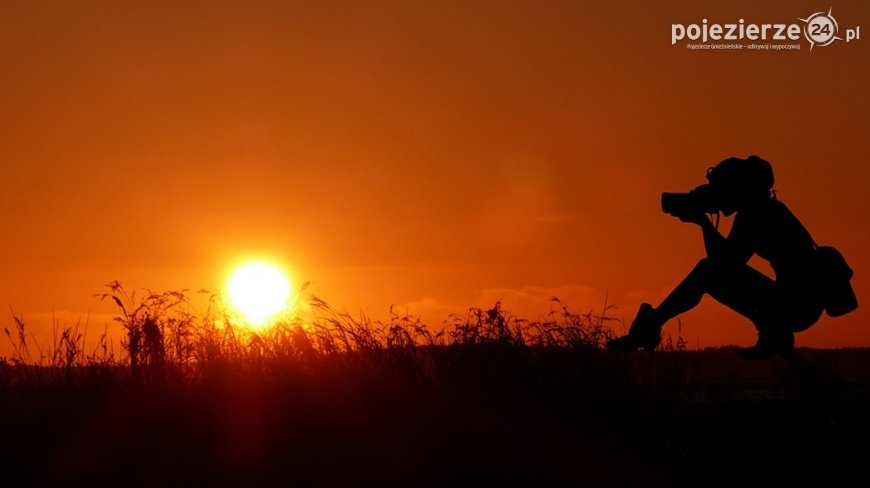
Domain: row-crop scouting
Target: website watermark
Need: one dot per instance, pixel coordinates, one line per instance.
(820, 29)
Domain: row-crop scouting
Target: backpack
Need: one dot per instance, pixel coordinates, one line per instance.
(832, 276)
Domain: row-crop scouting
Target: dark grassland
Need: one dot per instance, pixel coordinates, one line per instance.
(491, 399)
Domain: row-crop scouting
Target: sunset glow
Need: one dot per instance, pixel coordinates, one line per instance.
(259, 291)
(393, 243)
(424, 155)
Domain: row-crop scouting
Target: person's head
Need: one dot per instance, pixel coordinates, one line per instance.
(741, 183)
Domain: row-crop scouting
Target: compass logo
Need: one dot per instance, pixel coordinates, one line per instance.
(821, 29)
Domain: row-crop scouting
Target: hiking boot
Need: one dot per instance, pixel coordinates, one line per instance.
(769, 345)
(645, 332)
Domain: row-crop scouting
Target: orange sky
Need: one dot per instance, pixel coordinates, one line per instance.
(430, 155)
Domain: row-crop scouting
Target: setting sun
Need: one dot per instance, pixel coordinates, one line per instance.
(259, 291)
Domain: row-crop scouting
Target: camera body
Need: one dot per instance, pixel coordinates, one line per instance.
(729, 181)
(701, 199)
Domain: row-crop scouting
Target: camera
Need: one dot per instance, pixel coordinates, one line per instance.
(701, 199)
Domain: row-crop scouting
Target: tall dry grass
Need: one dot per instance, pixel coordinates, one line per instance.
(163, 339)
(484, 392)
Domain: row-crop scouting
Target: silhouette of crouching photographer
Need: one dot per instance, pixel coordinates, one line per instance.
(809, 279)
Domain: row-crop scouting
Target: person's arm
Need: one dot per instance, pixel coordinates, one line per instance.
(714, 242)
(737, 247)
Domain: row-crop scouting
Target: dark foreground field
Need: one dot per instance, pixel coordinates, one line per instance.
(489, 399)
(446, 415)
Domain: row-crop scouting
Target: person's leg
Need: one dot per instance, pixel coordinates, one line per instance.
(798, 304)
(737, 286)
(744, 290)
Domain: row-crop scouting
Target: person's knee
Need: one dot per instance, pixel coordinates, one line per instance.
(718, 266)
(713, 274)
(708, 266)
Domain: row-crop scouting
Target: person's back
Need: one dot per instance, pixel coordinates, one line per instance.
(778, 237)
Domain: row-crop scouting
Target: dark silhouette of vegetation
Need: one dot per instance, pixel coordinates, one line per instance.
(336, 399)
